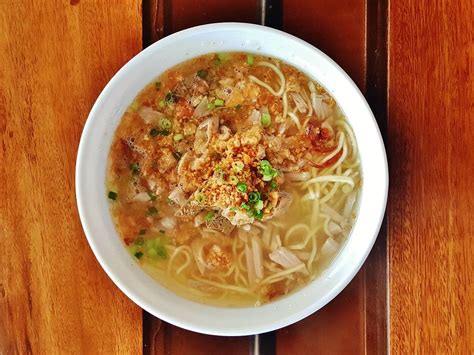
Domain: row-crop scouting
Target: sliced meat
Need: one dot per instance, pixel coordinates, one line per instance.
(220, 224)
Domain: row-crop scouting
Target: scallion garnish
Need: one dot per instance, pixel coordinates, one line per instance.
(241, 187)
(267, 171)
(133, 106)
(258, 205)
(250, 59)
(199, 197)
(112, 195)
(135, 168)
(233, 179)
(254, 197)
(238, 107)
(221, 57)
(152, 196)
(162, 103)
(273, 185)
(159, 132)
(178, 137)
(165, 123)
(170, 98)
(245, 206)
(237, 166)
(266, 119)
(161, 251)
(218, 102)
(258, 214)
(202, 73)
(138, 254)
(209, 216)
(151, 211)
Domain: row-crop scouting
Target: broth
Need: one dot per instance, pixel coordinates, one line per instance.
(233, 179)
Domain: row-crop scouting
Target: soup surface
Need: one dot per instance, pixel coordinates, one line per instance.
(233, 179)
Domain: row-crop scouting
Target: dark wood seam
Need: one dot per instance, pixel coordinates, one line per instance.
(376, 93)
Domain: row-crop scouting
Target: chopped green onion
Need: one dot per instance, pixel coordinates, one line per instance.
(209, 216)
(170, 98)
(258, 214)
(202, 73)
(211, 105)
(200, 197)
(233, 179)
(165, 123)
(254, 197)
(142, 232)
(152, 196)
(132, 249)
(133, 106)
(158, 85)
(161, 251)
(178, 137)
(267, 171)
(177, 155)
(152, 252)
(218, 102)
(162, 103)
(238, 107)
(139, 241)
(159, 132)
(250, 59)
(222, 57)
(245, 206)
(258, 205)
(266, 119)
(241, 187)
(151, 211)
(138, 254)
(135, 168)
(112, 195)
(237, 166)
(273, 185)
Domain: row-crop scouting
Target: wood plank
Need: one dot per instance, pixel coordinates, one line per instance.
(431, 229)
(338, 328)
(161, 18)
(208, 11)
(338, 28)
(56, 58)
(355, 321)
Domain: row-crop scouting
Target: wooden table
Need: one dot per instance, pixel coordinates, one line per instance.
(413, 59)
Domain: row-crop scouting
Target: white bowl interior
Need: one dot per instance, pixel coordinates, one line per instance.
(94, 149)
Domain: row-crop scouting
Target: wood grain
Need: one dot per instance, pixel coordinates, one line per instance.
(161, 18)
(355, 322)
(338, 28)
(430, 132)
(56, 58)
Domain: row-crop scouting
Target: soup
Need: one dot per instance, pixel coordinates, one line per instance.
(233, 179)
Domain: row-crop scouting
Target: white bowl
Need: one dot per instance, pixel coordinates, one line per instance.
(94, 149)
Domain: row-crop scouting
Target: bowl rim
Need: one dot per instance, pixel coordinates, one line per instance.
(176, 319)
